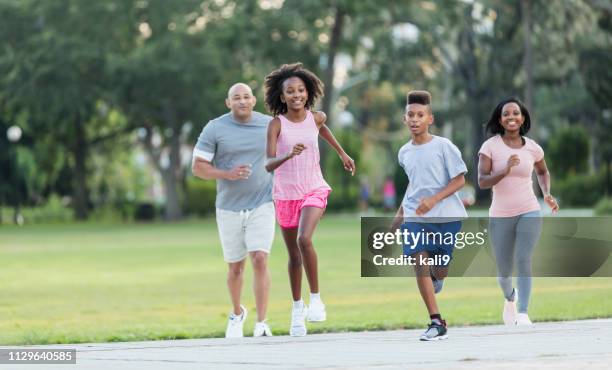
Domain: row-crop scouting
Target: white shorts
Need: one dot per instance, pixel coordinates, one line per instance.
(246, 231)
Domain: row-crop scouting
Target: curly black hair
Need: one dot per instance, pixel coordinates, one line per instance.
(274, 87)
(494, 127)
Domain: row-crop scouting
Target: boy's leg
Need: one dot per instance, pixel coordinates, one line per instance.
(426, 288)
(309, 219)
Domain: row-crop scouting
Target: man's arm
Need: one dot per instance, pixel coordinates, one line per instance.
(206, 171)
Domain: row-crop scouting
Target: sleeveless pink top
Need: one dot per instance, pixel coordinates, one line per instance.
(301, 174)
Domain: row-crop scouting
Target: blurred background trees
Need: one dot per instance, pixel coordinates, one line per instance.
(110, 96)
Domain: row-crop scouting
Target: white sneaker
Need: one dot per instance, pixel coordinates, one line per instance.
(523, 319)
(316, 311)
(298, 321)
(509, 314)
(235, 324)
(262, 329)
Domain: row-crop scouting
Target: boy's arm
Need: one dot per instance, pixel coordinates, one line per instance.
(397, 220)
(453, 186)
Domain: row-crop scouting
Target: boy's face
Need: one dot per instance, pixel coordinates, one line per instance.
(418, 118)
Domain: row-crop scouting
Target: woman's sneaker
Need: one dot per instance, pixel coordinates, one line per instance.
(262, 329)
(298, 321)
(523, 319)
(435, 331)
(509, 314)
(235, 324)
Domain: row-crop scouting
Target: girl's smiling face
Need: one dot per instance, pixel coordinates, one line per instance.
(511, 117)
(295, 94)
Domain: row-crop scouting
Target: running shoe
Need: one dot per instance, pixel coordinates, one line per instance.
(522, 319)
(316, 311)
(262, 329)
(435, 331)
(437, 284)
(235, 324)
(298, 321)
(509, 314)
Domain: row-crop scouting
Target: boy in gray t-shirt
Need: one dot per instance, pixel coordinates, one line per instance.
(232, 150)
(431, 205)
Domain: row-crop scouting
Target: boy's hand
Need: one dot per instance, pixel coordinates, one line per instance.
(426, 205)
(349, 163)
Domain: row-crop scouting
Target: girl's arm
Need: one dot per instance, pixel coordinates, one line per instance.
(544, 181)
(486, 177)
(327, 135)
(428, 203)
(273, 162)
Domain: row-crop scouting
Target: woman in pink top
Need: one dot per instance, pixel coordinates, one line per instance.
(299, 191)
(506, 163)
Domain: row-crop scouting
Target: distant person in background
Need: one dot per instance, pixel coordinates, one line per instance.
(506, 163)
(389, 194)
(364, 195)
(231, 150)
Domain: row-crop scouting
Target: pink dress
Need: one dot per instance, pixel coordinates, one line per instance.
(298, 182)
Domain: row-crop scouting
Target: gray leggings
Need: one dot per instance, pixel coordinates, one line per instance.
(513, 239)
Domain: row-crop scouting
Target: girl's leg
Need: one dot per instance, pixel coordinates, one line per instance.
(295, 261)
(308, 222)
(528, 231)
(503, 237)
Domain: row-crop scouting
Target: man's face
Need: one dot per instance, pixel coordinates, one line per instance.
(241, 101)
(418, 118)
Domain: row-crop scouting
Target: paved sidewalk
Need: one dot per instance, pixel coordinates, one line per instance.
(556, 345)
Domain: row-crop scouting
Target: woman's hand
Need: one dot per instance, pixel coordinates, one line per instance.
(348, 163)
(552, 203)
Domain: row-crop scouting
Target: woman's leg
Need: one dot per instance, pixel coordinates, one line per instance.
(295, 261)
(528, 231)
(503, 237)
(308, 222)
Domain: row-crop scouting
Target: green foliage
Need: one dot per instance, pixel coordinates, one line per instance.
(604, 207)
(579, 191)
(568, 151)
(55, 210)
(200, 196)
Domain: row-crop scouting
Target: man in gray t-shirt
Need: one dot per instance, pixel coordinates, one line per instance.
(231, 149)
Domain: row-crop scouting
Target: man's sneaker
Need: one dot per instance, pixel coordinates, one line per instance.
(298, 321)
(262, 329)
(509, 314)
(435, 331)
(316, 311)
(235, 324)
(523, 319)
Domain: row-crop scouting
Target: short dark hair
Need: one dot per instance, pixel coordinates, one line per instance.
(419, 97)
(494, 127)
(274, 87)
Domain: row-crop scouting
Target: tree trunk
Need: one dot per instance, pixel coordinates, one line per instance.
(528, 63)
(172, 177)
(328, 76)
(80, 193)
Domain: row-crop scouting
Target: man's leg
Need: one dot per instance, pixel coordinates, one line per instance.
(261, 282)
(234, 284)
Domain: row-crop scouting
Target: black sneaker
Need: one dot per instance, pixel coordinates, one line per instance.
(435, 331)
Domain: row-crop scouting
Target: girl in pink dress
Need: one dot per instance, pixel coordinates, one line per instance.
(299, 191)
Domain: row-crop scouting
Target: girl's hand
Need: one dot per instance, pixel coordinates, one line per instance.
(513, 161)
(552, 203)
(297, 150)
(349, 163)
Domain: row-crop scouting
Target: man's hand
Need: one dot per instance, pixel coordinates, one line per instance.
(241, 172)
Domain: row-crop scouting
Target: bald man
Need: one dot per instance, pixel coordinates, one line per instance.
(231, 149)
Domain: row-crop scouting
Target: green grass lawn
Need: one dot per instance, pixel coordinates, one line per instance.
(97, 282)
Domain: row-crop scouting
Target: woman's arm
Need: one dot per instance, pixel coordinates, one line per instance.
(273, 162)
(544, 181)
(486, 177)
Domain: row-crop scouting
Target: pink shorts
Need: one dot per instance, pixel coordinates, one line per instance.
(288, 211)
